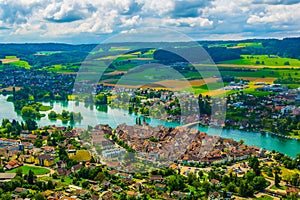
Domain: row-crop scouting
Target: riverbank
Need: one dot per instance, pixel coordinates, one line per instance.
(114, 117)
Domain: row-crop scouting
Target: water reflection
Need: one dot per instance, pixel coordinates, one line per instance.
(102, 108)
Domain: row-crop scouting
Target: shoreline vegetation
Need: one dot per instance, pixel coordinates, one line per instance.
(65, 116)
(260, 69)
(32, 111)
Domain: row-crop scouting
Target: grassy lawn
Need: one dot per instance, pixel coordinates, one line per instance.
(289, 171)
(264, 197)
(36, 170)
(281, 187)
(61, 180)
(45, 108)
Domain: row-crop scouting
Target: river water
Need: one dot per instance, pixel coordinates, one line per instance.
(114, 117)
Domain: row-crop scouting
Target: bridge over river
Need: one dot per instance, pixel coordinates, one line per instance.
(114, 117)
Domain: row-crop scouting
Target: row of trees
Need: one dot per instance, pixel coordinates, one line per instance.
(15, 128)
(28, 181)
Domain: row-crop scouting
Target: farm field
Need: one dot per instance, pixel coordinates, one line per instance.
(121, 48)
(264, 60)
(9, 89)
(125, 68)
(61, 68)
(234, 45)
(14, 61)
(9, 59)
(36, 170)
(183, 84)
(176, 80)
(257, 80)
(257, 66)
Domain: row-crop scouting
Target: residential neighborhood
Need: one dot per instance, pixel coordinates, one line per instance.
(97, 167)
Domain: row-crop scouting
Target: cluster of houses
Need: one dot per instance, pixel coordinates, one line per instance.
(48, 81)
(107, 148)
(15, 153)
(218, 151)
(236, 86)
(185, 110)
(276, 106)
(273, 88)
(183, 144)
(180, 144)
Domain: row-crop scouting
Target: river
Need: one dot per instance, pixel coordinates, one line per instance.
(114, 117)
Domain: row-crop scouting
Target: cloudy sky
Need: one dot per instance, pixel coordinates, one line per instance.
(91, 21)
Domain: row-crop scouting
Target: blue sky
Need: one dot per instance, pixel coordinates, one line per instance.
(91, 21)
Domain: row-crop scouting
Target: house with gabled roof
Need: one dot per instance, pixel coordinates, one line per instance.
(44, 160)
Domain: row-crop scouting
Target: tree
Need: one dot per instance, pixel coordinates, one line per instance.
(38, 143)
(52, 115)
(55, 175)
(295, 178)
(206, 186)
(191, 178)
(39, 196)
(8, 126)
(225, 180)
(6, 196)
(19, 172)
(175, 182)
(259, 183)
(254, 164)
(100, 177)
(30, 177)
(31, 124)
(200, 173)
(101, 99)
(85, 184)
(231, 187)
(123, 196)
(243, 189)
(50, 185)
(293, 196)
(92, 160)
(277, 178)
(29, 112)
(64, 114)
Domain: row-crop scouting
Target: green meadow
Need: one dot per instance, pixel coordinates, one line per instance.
(36, 170)
(264, 60)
